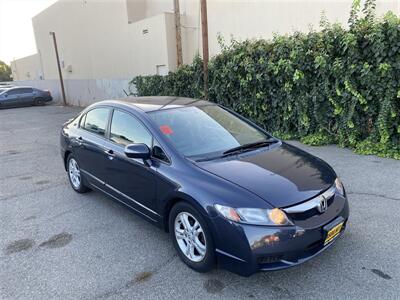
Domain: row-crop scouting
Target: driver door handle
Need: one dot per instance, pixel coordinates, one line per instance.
(110, 154)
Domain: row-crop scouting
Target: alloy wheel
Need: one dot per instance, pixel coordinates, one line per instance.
(74, 173)
(190, 237)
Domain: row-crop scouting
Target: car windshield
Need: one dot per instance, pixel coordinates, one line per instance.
(205, 131)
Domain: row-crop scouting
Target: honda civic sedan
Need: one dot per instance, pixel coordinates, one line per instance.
(227, 191)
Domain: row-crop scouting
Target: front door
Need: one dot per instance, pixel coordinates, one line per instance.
(131, 180)
(11, 98)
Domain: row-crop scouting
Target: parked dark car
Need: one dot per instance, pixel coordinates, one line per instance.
(225, 189)
(23, 96)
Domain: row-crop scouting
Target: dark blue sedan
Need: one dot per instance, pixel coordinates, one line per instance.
(23, 96)
(226, 190)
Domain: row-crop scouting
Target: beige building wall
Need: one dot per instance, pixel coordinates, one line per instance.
(27, 68)
(95, 41)
(152, 41)
(245, 19)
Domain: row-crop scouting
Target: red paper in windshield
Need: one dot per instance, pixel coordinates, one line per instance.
(166, 129)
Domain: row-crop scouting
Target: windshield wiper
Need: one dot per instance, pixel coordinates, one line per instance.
(249, 146)
(240, 149)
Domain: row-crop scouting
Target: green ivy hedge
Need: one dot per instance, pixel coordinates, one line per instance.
(333, 86)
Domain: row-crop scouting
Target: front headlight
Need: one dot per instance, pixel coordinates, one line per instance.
(255, 216)
(339, 186)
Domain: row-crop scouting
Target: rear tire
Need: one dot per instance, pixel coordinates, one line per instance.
(191, 237)
(39, 102)
(75, 176)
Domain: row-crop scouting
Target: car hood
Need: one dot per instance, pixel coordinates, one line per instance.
(282, 176)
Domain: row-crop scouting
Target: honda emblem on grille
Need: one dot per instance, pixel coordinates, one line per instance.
(322, 205)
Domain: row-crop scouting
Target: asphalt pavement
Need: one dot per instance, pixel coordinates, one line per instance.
(57, 244)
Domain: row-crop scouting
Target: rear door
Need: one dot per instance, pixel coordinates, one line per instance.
(11, 98)
(89, 144)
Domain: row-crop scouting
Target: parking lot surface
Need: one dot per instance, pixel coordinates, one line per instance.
(57, 244)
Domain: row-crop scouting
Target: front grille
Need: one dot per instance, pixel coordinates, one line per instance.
(300, 216)
(309, 208)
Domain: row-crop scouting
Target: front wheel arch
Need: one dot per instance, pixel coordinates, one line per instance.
(66, 155)
(181, 197)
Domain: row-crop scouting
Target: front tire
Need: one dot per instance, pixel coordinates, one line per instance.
(191, 237)
(75, 176)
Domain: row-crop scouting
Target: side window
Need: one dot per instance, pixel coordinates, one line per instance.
(126, 129)
(96, 121)
(26, 91)
(14, 92)
(158, 152)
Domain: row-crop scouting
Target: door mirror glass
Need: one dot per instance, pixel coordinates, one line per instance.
(137, 151)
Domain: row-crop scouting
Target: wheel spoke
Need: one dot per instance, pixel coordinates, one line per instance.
(199, 247)
(179, 234)
(185, 221)
(191, 251)
(196, 226)
(188, 251)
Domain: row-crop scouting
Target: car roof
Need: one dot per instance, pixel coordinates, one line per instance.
(153, 103)
(20, 86)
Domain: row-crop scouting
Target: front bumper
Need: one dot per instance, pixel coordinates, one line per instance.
(246, 249)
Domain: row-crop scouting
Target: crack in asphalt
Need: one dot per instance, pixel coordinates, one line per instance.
(373, 195)
(131, 283)
(34, 225)
(65, 212)
(11, 197)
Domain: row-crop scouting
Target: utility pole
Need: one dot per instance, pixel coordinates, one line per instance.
(204, 31)
(59, 67)
(178, 33)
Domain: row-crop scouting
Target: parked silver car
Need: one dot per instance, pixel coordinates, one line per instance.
(23, 96)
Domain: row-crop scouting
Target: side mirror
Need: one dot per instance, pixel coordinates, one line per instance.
(137, 151)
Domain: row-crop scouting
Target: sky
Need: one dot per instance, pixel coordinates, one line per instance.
(16, 32)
